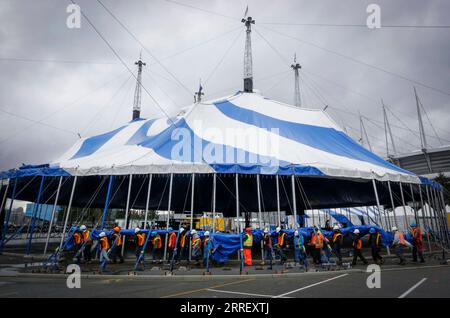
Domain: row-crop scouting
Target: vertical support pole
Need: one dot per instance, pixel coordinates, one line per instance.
(108, 196)
(69, 207)
(8, 214)
(53, 215)
(294, 202)
(377, 200)
(432, 220)
(168, 216)
(2, 204)
(192, 214)
(127, 209)
(404, 207)
(424, 221)
(278, 201)
(392, 204)
(445, 216)
(414, 205)
(258, 189)
(440, 216)
(150, 177)
(239, 227)
(214, 204)
(34, 215)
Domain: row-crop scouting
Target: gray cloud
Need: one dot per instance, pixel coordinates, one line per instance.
(90, 98)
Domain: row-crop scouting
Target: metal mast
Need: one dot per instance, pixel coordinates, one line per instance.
(296, 67)
(198, 95)
(137, 91)
(248, 67)
(363, 131)
(387, 130)
(423, 140)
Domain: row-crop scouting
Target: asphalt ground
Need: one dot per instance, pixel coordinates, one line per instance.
(409, 281)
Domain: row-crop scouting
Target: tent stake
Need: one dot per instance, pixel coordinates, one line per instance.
(69, 207)
(127, 210)
(168, 216)
(33, 216)
(148, 199)
(53, 215)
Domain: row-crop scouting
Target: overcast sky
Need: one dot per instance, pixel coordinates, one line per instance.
(57, 82)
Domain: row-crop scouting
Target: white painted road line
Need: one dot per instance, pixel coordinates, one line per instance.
(309, 286)
(406, 293)
(239, 293)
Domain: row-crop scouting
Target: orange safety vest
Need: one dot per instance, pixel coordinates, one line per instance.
(119, 240)
(336, 236)
(281, 239)
(248, 240)
(140, 239)
(104, 243)
(205, 241)
(195, 242)
(77, 238)
(156, 241)
(317, 240)
(172, 240)
(86, 237)
(401, 238)
(357, 243)
(183, 241)
(416, 234)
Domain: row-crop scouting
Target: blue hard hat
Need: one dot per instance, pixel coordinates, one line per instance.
(413, 224)
(372, 230)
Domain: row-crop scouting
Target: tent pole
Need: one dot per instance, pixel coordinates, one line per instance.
(404, 207)
(3, 203)
(445, 215)
(440, 216)
(192, 215)
(432, 220)
(127, 210)
(239, 228)
(392, 203)
(53, 215)
(69, 207)
(214, 204)
(168, 216)
(377, 200)
(108, 196)
(150, 177)
(8, 214)
(33, 216)
(424, 223)
(259, 213)
(294, 202)
(278, 200)
(414, 204)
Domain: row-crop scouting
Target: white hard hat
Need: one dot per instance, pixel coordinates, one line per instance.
(356, 231)
(83, 227)
(336, 227)
(102, 234)
(394, 228)
(278, 229)
(136, 230)
(181, 230)
(207, 233)
(296, 233)
(266, 230)
(193, 232)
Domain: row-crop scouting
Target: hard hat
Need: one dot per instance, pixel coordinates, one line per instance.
(193, 232)
(278, 229)
(266, 230)
(83, 228)
(181, 230)
(336, 227)
(170, 229)
(207, 233)
(137, 230)
(372, 230)
(248, 230)
(102, 234)
(356, 231)
(394, 228)
(413, 224)
(296, 233)
(117, 229)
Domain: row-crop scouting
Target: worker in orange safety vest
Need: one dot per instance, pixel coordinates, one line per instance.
(247, 242)
(418, 248)
(139, 239)
(156, 247)
(172, 242)
(399, 243)
(357, 248)
(87, 240)
(280, 244)
(317, 242)
(104, 247)
(118, 239)
(78, 242)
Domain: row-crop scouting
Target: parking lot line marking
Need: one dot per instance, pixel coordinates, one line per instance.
(309, 286)
(238, 293)
(406, 293)
(203, 289)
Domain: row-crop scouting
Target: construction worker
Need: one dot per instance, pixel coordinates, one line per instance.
(280, 244)
(196, 246)
(207, 248)
(78, 243)
(104, 247)
(399, 243)
(357, 248)
(117, 250)
(418, 248)
(299, 249)
(156, 247)
(139, 239)
(172, 242)
(375, 245)
(267, 245)
(87, 239)
(247, 242)
(337, 242)
(317, 242)
(184, 246)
